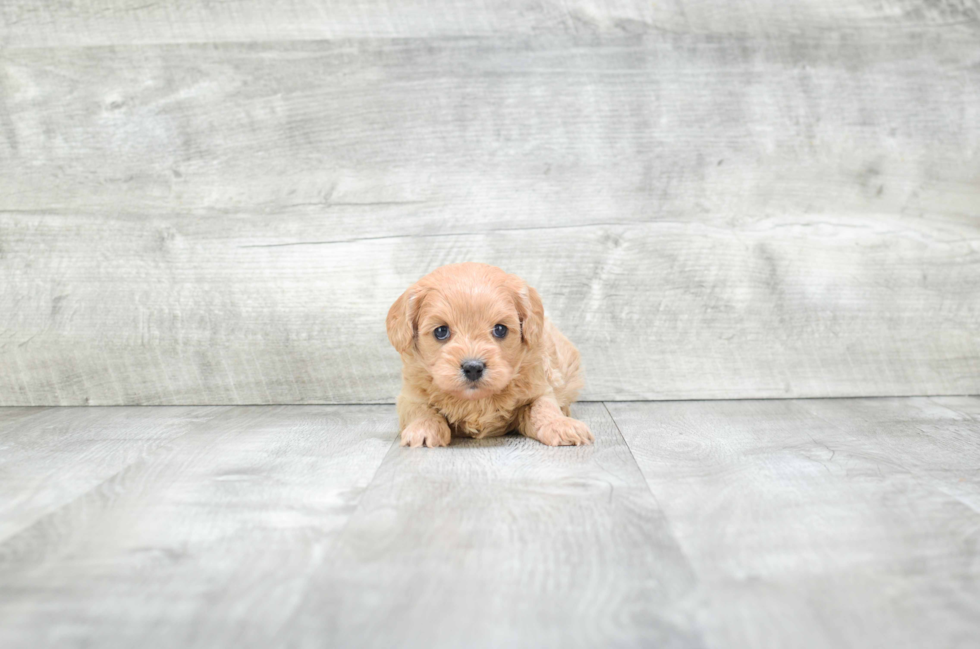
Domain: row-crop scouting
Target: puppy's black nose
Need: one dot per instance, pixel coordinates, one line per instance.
(473, 370)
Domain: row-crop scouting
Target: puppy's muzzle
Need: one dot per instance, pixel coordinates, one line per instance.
(473, 370)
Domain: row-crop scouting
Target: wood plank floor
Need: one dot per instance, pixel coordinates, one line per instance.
(796, 523)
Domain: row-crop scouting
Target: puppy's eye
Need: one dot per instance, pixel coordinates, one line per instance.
(441, 333)
(499, 331)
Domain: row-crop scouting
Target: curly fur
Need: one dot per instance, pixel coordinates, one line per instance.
(532, 375)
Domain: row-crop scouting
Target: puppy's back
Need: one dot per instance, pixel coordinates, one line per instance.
(563, 364)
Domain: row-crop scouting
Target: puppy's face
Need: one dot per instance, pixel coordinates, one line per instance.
(469, 326)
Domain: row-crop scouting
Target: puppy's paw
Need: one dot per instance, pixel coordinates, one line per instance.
(564, 431)
(429, 432)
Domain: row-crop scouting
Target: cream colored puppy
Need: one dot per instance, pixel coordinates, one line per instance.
(479, 359)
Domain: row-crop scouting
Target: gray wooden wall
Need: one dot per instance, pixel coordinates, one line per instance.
(216, 202)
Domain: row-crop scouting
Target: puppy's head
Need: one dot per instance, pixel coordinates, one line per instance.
(469, 326)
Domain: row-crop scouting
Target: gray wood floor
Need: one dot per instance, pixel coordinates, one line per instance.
(807, 523)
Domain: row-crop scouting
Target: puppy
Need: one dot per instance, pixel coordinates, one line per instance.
(479, 359)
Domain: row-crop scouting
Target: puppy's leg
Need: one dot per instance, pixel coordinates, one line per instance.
(421, 425)
(543, 420)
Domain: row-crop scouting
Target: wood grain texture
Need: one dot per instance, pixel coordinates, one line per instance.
(716, 524)
(202, 538)
(779, 310)
(29, 23)
(710, 216)
(502, 542)
(10, 415)
(844, 523)
(497, 132)
(968, 406)
(50, 456)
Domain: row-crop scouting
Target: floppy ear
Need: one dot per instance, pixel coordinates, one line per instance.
(402, 319)
(531, 313)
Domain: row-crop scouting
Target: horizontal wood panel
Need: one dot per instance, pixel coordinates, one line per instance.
(180, 313)
(30, 23)
(445, 135)
(704, 216)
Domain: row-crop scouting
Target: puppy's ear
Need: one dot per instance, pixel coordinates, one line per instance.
(531, 312)
(402, 319)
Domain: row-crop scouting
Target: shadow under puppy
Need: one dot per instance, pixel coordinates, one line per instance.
(479, 359)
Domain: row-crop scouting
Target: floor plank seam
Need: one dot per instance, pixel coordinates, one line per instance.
(99, 485)
(367, 487)
(924, 480)
(964, 413)
(646, 482)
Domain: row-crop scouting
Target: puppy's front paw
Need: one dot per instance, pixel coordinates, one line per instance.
(429, 432)
(564, 431)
